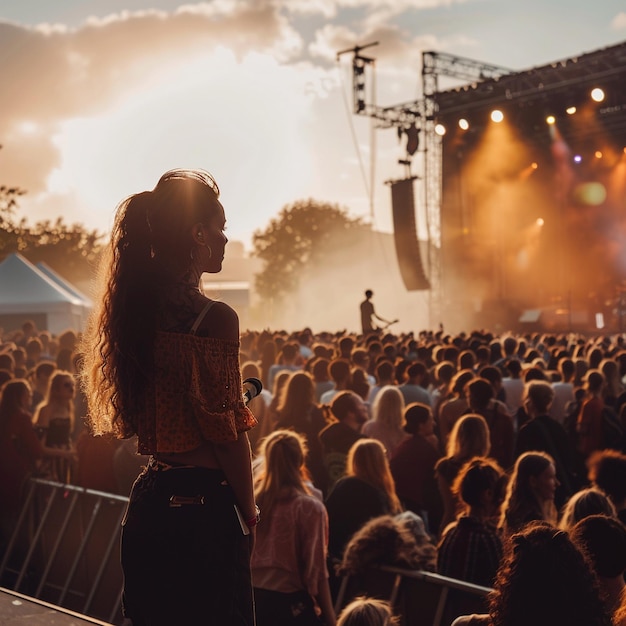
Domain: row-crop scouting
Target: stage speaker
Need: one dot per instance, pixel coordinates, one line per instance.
(405, 236)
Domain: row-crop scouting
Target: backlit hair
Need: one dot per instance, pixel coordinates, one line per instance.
(367, 460)
(283, 471)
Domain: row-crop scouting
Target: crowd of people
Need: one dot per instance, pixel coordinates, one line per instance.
(495, 459)
(508, 440)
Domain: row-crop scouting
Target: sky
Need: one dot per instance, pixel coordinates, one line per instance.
(99, 98)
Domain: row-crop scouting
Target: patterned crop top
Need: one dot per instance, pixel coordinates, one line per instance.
(196, 395)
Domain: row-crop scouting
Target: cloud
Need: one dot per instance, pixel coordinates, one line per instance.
(51, 74)
(619, 22)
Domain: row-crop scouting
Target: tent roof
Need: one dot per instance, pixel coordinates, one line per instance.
(64, 284)
(23, 283)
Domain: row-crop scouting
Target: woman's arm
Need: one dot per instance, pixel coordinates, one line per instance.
(325, 602)
(235, 459)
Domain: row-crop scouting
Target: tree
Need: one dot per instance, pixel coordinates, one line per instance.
(72, 251)
(300, 236)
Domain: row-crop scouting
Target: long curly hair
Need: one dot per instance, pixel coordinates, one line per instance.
(150, 248)
(545, 580)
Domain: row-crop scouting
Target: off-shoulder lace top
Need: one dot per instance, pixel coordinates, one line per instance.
(196, 395)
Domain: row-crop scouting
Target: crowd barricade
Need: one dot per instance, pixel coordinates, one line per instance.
(65, 549)
(419, 598)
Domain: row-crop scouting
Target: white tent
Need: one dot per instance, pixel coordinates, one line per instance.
(28, 292)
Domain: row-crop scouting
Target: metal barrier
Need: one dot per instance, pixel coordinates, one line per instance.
(418, 597)
(65, 549)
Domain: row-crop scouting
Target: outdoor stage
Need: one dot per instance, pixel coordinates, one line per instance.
(16, 608)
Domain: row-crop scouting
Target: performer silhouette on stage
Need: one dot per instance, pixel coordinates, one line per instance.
(368, 312)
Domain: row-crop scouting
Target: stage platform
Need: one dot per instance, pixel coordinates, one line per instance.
(17, 609)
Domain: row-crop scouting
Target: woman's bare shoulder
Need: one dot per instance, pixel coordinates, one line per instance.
(221, 322)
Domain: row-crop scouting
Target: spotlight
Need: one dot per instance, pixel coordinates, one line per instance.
(497, 116)
(570, 110)
(551, 120)
(440, 129)
(597, 94)
(534, 165)
(578, 158)
(540, 221)
(598, 154)
(463, 124)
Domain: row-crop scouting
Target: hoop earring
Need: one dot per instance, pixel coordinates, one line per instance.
(191, 256)
(209, 249)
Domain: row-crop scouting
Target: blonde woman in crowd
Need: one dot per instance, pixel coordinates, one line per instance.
(364, 611)
(468, 438)
(367, 491)
(387, 423)
(54, 422)
(289, 571)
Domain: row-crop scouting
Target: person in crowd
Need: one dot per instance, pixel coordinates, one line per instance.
(602, 538)
(54, 422)
(162, 362)
(21, 451)
(271, 415)
(543, 433)
(530, 493)
(450, 410)
(589, 421)
(470, 548)
(40, 381)
(468, 438)
(359, 383)
(481, 399)
(563, 389)
(387, 423)
(414, 387)
(544, 580)
(385, 376)
(413, 463)
(364, 611)
(513, 385)
(340, 371)
(289, 559)
(442, 386)
(349, 413)
(393, 540)
(321, 376)
(289, 359)
(298, 410)
(607, 471)
(258, 404)
(585, 502)
(367, 491)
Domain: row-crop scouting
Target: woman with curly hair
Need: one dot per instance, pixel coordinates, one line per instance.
(161, 361)
(289, 560)
(530, 493)
(544, 580)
